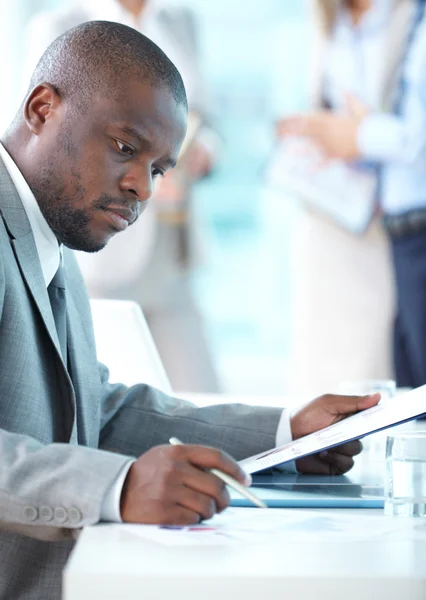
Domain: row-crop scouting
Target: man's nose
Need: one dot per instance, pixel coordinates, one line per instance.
(137, 184)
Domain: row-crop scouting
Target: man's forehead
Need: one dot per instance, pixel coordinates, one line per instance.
(144, 107)
(137, 94)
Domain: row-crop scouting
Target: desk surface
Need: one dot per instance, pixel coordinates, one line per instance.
(110, 562)
(324, 562)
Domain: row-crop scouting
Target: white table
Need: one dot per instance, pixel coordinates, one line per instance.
(110, 562)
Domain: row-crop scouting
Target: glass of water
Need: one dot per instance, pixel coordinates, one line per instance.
(405, 481)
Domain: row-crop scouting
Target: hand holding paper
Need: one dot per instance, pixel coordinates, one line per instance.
(341, 429)
(327, 410)
(320, 413)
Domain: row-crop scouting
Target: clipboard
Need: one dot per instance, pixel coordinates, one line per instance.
(389, 412)
(285, 490)
(346, 193)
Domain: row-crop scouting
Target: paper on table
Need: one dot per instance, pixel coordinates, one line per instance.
(298, 526)
(387, 413)
(344, 192)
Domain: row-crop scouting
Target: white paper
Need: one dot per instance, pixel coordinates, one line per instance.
(254, 526)
(344, 192)
(386, 414)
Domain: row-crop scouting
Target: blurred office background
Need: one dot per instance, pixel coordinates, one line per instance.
(254, 55)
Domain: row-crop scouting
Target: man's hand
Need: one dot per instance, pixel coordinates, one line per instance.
(334, 132)
(320, 413)
(169, 485)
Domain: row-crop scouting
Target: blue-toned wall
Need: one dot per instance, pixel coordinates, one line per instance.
(255, 57)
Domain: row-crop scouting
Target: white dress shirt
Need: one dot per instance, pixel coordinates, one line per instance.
(354, 57)
(398, 141)
(50, 256)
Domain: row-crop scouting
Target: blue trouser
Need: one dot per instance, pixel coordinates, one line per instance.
(409, 257)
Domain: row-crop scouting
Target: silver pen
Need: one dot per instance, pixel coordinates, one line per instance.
(233, 483)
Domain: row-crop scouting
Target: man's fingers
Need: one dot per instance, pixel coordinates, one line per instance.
(203, 505)
(348, 405)
(349, 449)
(363, 402)
(171, 485)
(337, 463)
(207, 484)
(313, 464)
(328, 462)
(179, 515)
(167, 514)
(210, 458)
(368, 401)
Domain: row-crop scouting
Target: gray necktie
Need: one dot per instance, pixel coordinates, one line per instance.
(56, 291)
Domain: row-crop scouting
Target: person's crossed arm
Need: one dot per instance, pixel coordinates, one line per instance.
(335, 132)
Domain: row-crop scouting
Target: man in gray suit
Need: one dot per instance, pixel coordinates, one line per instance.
(105, 114)
(165, 245)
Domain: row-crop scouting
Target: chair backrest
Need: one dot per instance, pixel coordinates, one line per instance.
(125, 345)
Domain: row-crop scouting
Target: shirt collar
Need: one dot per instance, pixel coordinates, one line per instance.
(374, 18)
(46, 242)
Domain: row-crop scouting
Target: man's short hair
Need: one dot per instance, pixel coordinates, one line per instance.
(98, 56)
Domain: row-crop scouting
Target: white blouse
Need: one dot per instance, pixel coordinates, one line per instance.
(354, 57)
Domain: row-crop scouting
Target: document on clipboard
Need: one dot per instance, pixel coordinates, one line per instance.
(389, 412)
(344, 192)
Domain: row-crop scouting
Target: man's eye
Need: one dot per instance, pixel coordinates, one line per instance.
(124, 148)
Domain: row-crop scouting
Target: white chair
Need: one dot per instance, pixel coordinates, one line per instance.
(125, 345)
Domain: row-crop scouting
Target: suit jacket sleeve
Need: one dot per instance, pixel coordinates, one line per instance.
(46, 491)
(137, 418)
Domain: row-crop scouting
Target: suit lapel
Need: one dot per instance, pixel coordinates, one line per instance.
(27, 258)
(25, 250)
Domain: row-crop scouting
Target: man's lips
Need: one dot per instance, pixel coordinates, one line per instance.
(125, 213)
(119, 216)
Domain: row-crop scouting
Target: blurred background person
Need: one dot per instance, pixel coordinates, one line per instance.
(396, 141)
(344, 297)
(152, 262)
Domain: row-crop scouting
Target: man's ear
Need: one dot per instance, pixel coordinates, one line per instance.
(40, 105)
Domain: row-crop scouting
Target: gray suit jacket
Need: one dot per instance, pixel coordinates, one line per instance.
(63, 441)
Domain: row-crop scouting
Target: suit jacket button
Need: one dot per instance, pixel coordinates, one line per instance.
(74, 516)
(30, 513)
(46, 513)
(61, 514)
